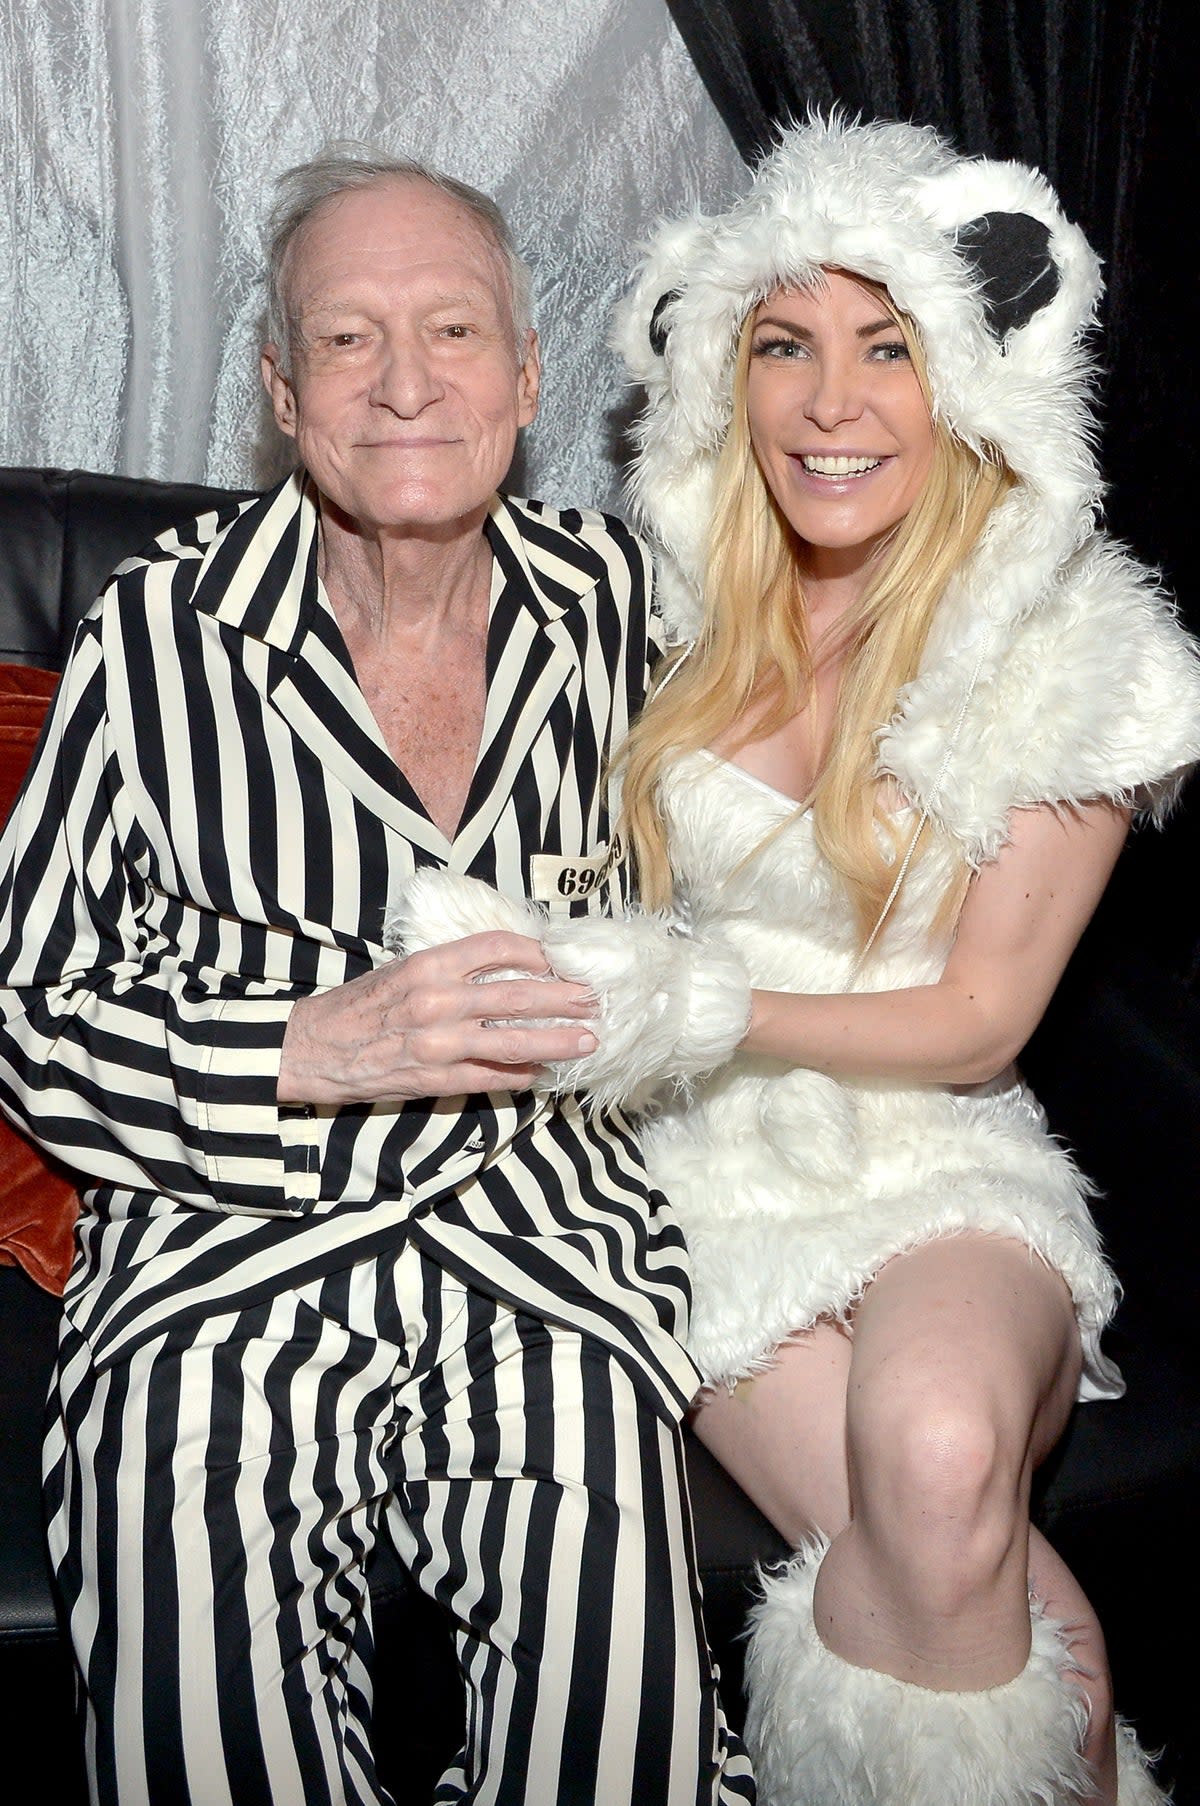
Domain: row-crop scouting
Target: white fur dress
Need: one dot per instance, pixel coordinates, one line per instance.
(794, 1188)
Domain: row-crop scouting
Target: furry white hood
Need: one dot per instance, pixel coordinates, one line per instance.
(979, 254)
(1003, 289)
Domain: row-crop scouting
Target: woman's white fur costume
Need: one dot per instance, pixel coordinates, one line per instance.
(825, 1733)
(1055, 673)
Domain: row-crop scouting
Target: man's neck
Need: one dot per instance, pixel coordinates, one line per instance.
(388, 586)
(413, 612)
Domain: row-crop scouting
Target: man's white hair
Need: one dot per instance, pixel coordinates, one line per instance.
(346, 165)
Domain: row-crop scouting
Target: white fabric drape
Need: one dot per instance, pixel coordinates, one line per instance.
(139, 140)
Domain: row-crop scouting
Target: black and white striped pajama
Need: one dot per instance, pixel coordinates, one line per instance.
(523, 1482)
(286, 1330)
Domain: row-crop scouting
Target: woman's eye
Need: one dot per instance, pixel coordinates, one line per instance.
(893, 352)
(781, 348)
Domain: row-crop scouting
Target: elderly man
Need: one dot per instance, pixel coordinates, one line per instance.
(340, 1269)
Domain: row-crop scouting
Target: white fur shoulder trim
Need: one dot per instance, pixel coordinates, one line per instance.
(1095, 694)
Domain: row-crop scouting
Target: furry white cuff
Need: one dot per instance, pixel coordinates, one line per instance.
(436, 907)
(825, 1733)
(669, 1006)
(821, 1729)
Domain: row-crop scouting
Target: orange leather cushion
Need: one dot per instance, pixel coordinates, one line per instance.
(38, 1205)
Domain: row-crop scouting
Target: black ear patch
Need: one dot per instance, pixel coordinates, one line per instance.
(657, 332)
(1011, 253)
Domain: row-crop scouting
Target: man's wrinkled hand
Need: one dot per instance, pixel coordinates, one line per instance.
(426, 1026)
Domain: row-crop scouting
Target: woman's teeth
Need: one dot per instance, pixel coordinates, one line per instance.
(821, 466)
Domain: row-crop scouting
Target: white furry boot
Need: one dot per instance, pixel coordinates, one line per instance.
(823, 1732)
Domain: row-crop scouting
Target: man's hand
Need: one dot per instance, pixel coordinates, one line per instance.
(425, 1027)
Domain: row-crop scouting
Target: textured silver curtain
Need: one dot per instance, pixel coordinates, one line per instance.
(138, 144)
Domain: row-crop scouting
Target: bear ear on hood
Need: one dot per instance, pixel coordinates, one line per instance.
(670, 262)
(658, 330)
(1010, 253)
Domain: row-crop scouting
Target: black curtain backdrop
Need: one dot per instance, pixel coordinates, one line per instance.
(1100, 94)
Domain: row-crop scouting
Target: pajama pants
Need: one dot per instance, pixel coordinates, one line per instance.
(213, 1499)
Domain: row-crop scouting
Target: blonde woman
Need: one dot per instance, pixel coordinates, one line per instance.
(916, 697)
(893, 770)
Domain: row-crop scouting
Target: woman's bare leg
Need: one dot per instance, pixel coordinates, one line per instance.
(965, 1363)
(1051, 1581)
(965, 1366)
(782, 1434)
(930, 1418)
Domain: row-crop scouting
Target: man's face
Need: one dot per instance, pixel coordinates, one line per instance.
(406, 390)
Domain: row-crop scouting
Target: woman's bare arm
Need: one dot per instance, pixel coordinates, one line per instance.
(1021, 920)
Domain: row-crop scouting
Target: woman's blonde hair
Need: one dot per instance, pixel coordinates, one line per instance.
(754, 659)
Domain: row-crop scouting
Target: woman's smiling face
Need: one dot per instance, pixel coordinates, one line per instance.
(838, 420)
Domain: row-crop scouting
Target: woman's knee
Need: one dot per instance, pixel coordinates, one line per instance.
(940, 1479)
(959, 1382)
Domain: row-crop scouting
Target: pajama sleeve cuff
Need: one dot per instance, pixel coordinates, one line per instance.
(260, 1156)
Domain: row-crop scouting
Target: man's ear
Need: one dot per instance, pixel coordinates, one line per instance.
(279, 388)
(529, 380)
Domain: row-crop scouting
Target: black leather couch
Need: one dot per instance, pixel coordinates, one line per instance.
(1117, 1063)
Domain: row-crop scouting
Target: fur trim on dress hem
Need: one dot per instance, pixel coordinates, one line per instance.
(758, 1283)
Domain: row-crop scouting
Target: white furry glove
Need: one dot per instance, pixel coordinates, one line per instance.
(670, 1006)
(436, 907)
